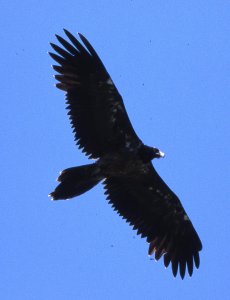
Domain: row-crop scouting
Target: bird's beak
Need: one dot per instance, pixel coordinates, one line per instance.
(161, 154)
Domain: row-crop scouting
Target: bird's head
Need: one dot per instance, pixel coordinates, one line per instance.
(148, 153)
(157, 153)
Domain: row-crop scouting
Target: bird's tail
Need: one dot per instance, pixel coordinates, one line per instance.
(76, 181)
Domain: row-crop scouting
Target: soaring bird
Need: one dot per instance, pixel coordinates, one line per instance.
(103, 131)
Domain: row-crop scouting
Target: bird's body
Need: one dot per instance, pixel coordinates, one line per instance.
(104, 132)
(126, 162)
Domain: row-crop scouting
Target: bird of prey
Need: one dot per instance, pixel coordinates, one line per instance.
(103, 131)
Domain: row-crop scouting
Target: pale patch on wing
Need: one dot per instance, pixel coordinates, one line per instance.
(109, 81)
(186, 218)
(160, 193)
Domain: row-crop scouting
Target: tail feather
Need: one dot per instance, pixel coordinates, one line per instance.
(76, 181)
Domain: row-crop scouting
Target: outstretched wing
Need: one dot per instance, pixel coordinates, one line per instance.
(148, 204)
(97, 113)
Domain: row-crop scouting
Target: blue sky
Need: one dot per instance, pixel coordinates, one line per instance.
(170, 61)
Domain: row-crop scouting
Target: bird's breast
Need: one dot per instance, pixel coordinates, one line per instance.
(121, 165)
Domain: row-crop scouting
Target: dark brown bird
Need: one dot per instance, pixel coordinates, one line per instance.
(104, 132)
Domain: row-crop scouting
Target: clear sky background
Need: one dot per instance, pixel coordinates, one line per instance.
(170, 61)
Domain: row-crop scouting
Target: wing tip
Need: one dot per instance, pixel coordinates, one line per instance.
(181, 265)
(81, 36)
(66, 31)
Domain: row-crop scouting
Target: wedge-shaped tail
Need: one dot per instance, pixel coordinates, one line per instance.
(76, 181)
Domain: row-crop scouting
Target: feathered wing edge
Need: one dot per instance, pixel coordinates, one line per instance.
(91, 94)
(179, 245)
